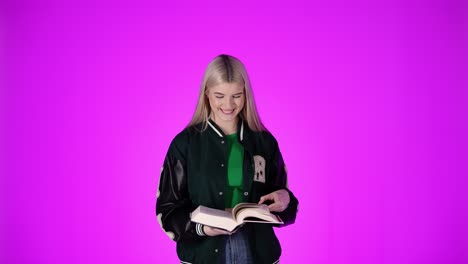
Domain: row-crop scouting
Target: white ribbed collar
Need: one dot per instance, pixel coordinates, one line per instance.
(221, 134)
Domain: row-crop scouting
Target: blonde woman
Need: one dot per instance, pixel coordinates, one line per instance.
(223, 157)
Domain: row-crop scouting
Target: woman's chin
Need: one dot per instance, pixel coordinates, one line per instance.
(227, 118)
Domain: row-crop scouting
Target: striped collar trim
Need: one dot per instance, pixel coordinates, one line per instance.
(214, 128)
(242, 131)
(220, 134)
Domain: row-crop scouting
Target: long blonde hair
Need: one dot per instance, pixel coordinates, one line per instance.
(226, 69)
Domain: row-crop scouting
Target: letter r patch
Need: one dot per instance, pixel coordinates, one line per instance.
(259, 168)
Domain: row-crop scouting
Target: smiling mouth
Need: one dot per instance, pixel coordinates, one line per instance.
(227, 112)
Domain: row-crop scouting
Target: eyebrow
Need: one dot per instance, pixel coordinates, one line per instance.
(233, 94)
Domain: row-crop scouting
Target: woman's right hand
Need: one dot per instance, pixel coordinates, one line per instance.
(213, 231)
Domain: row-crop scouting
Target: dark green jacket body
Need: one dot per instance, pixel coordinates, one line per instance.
(195, 173)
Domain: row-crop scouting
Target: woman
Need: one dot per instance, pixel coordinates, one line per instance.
(223, 157)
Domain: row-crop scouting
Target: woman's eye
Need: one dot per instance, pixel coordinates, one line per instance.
(221, 97)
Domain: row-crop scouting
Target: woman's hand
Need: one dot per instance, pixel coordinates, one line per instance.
(280, 200)
(213, 231)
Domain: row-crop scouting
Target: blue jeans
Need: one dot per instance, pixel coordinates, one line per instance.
(238, 249)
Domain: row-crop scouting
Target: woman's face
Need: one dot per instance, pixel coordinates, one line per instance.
(226, 101)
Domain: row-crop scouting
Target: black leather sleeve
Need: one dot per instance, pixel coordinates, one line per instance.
(281, 182)
(173, 204)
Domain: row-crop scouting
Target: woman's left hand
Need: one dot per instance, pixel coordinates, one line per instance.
(280, 200)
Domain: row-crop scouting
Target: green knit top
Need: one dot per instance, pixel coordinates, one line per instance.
(234, 167)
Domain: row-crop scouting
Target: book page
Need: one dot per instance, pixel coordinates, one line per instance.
(214, 218)
(258, 215)
(246, 212)
(241, 206)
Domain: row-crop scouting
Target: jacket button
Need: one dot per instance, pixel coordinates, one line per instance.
(246, 193)
(222, 141)
(216, 250)
(222, 164)
(220, 193)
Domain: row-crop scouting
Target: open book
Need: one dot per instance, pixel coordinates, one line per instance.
(241, 213)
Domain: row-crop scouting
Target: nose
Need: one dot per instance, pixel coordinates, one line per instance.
(229, 102)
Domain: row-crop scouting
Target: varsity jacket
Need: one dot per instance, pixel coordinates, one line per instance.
(195, 173)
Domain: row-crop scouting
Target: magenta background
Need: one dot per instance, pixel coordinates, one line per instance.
(368, 102)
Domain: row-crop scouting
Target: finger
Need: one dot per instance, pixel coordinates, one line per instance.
(275, 207)
(272, 207)
(265, 198)
(222, 231)
(212, 231)
(261, 200)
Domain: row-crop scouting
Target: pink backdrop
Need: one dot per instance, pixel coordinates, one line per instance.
(368, 102)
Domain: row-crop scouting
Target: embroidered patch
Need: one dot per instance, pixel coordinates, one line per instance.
(259, 168)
